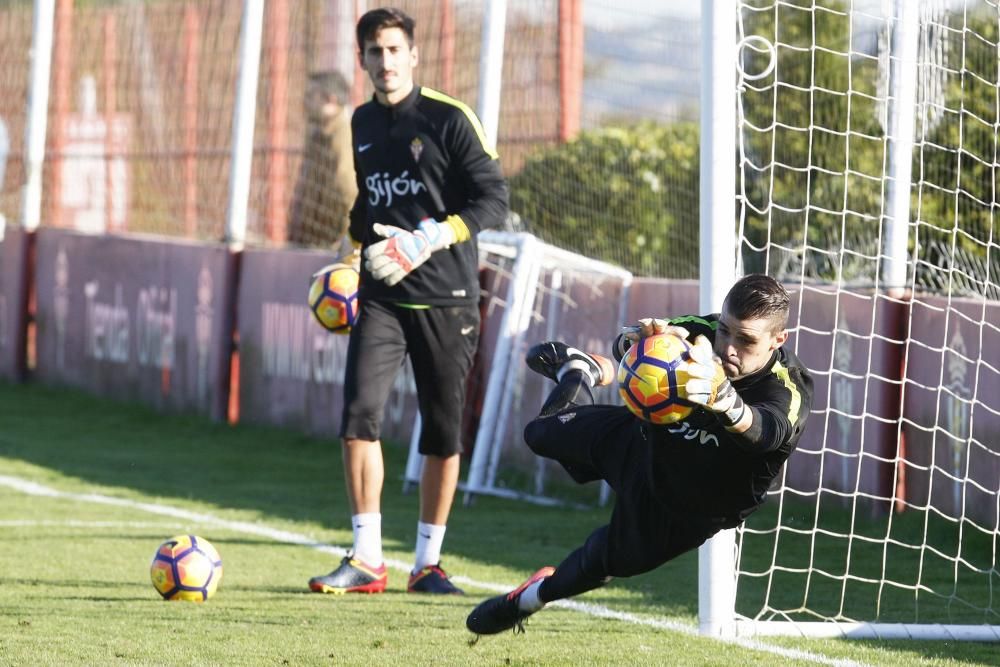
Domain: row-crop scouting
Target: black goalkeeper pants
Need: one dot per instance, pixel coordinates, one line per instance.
(607, 442)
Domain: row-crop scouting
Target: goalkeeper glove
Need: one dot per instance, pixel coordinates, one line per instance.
(709, 387)
(401, 252)
(648, 326)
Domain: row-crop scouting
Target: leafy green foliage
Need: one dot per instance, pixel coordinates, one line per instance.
(627, 195)
(959, 193)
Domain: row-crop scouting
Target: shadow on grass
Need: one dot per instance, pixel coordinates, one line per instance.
(282, 474)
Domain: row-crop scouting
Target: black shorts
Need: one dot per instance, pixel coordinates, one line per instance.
(441, 343)
(607, 442)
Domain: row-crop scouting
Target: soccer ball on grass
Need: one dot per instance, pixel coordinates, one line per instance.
(651, 379)
(186, 567)
(333, 297)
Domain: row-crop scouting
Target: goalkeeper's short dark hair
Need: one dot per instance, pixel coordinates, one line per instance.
(759, 296)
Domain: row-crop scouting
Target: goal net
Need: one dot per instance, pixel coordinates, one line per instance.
(868, 165)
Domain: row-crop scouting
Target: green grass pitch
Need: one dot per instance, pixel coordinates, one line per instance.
(89, 488)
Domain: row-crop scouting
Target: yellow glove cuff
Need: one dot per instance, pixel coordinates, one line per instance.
(459, 227)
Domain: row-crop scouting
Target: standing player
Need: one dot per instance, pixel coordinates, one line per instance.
(675, 485)
(428, 182)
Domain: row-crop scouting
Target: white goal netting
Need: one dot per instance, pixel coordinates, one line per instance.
(868, 180)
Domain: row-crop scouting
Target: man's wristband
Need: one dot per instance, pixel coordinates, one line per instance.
(732, 415)
(735, 414)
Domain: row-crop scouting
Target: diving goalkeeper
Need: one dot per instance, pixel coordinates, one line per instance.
(675, 485)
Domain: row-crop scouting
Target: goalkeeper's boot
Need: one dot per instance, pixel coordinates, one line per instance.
(503, 612)
(548, 358)
(432, 579)
(352, 576)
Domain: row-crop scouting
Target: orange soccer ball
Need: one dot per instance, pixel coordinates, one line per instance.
(186, 567)
(333, 297)
(651, 379)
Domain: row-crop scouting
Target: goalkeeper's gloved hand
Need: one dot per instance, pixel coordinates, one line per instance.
(401, 252)
(709, 387)
(647, 326)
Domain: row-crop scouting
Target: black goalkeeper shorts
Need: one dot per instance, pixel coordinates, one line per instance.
(607, 442)
(441, 343)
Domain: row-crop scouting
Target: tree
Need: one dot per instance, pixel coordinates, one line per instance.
(626, 195)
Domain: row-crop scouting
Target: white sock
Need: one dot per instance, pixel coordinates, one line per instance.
(576, 365)
(368, 537)
(529, 600)
(430, 537)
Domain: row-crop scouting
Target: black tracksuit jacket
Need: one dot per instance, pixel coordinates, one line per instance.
(425, 157)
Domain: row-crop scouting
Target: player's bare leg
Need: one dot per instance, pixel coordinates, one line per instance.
(364, 471)
(437, 488)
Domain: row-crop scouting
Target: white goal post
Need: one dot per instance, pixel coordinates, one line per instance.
(867, 164)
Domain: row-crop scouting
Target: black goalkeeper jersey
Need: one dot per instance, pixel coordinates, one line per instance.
(699, 467)
(425, 157)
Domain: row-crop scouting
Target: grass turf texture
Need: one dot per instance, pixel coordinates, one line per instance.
(74, 583)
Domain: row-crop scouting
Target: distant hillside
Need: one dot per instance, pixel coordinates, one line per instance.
(651, 72)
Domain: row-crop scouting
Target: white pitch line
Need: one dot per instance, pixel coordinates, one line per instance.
(600, 611)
